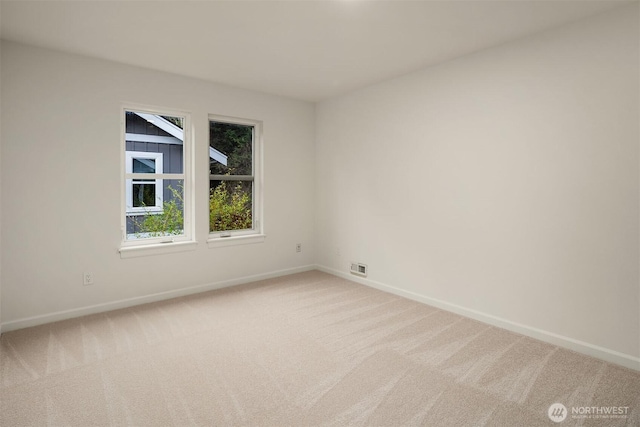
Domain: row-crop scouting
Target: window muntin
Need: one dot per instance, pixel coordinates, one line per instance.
(156, 153)
(234, 196)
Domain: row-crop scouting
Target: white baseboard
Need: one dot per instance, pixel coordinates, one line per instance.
(129, 302)
(605, 354)
(602, 353)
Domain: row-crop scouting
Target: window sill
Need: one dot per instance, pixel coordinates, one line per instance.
(157, 249)
(218, 242)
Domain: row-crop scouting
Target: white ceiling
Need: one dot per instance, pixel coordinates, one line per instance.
(310, 50)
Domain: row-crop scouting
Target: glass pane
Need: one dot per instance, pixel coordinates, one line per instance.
(144, 194)
(144, 166)
(167, 221)
(230, 205)
(230, 149)
(177, 121)
(153, 133)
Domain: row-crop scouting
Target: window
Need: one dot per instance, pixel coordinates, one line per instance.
(234, 178)
(156, 153)
(144, 195)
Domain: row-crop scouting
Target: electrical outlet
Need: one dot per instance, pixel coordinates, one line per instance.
(87, 279)
(299, 247)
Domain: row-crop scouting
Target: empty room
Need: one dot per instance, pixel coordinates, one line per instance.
(319, 213)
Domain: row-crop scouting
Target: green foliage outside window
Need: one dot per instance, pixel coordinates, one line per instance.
(229, 210)
(168, 223)
(230, 202)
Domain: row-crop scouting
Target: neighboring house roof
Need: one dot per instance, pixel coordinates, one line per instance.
(217, 156)
(177, 135)
(162, 123)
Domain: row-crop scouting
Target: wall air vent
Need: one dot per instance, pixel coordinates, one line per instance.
(359, 269)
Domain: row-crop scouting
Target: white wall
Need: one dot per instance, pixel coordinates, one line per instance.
(61, 184)
(503, 184)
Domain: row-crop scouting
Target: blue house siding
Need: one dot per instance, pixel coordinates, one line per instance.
(171, 154)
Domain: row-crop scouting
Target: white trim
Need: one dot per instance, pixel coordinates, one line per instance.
(602, 353)
(152, 179)
(187, 177)
(218, 156)
(232, 234)
(137, 137)
(258, 176)
(168, 238)
(156, 157)
(163, 124)
(150, 176)
(168, 247)
(26, 322)
(219, 242)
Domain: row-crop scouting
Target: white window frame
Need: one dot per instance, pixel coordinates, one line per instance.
(158, 160)
(256, 233)
(134, 247)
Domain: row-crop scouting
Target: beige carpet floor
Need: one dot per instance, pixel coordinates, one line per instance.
(302, 350)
